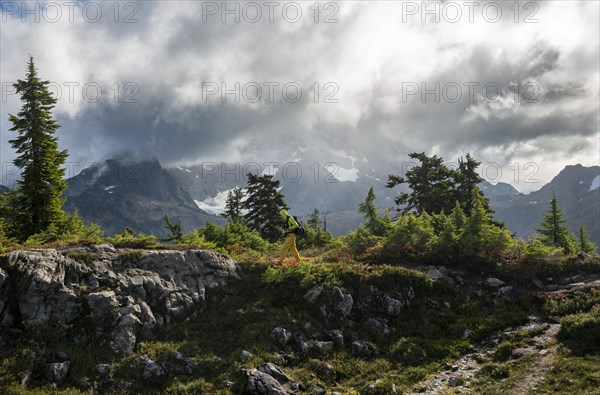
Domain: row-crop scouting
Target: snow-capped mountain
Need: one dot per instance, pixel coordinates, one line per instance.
(119, 193)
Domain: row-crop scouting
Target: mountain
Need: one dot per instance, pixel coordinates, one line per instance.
(577, 190)
(117, 193)
(334, 190)
(3, 189)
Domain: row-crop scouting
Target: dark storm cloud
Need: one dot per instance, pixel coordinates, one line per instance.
(370, 53)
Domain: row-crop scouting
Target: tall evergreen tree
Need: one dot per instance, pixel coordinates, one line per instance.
(314, 220)
(431, 183)
(38, 157)
(467, 178)
(233, 205)
(368, 210)
(552, 232)
(263, 204)
(585, 244)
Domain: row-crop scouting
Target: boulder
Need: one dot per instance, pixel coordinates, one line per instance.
(281, 336)
(364, 349)
(269, 379)
(337, 337)
(435, 273)
(313, 294)
(493, 282)
(48, 289)
(393, 306)
(103, 369)
(260, 383)
(152, 373)
(342, 303)
(505, 291)
(56, 372)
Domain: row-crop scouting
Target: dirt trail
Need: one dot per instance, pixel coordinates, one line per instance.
(464, 369)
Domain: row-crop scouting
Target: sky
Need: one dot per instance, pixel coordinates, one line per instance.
(516, 84)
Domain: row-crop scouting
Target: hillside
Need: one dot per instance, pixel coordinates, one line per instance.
(129, 321)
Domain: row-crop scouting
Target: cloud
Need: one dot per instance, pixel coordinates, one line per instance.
(371, 55)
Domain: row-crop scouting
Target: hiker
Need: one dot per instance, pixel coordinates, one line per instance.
(291, 226)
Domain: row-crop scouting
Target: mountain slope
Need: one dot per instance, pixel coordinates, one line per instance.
(578, 196)
(120, 193)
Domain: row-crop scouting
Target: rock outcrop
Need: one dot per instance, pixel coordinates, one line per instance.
(123, 293)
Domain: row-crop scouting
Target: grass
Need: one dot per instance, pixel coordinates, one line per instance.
(573, 374)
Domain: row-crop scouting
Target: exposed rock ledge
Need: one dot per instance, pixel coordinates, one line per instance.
(121, 292)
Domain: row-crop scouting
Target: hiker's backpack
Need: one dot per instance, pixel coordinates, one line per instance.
(300, 231)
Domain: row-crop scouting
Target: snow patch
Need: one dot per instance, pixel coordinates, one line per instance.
(110, 187)
(214, 205)
(595, 184)
(533, 202)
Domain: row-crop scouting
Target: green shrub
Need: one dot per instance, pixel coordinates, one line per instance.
(581, 332)
(494, 371)
(504, 350)
(570, 303)
(408, 352)
(69, 231)
(128, 239)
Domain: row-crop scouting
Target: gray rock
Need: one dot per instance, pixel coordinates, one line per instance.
(314, 389)
(322, 347)
(435, 273)
(342, 303)
(466, 333)
(260, 383)
(103, 369)
(337, 337)
(393, 306)
(505, 291)
(364, 349)
(49, 288)
(313, 294)
(245, 355)
(102, 305)
(578, 278)
(552, 287)
(493, 282)
(380, 325)
(537, 283)
(323, 310)
(124, 335)
(281, 336)
(56, 372)
(453, 381)
(275, 371)
(151, 370)
(459, 280)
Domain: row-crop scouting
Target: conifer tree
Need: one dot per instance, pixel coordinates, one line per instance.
(467, 178)
(552, 232)
(585, 244)
(175, 230)
(263, 204)
(367, 208)
(38, 157)
(458, 217)
(432, 186)
(233, 205)
(314, 220)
